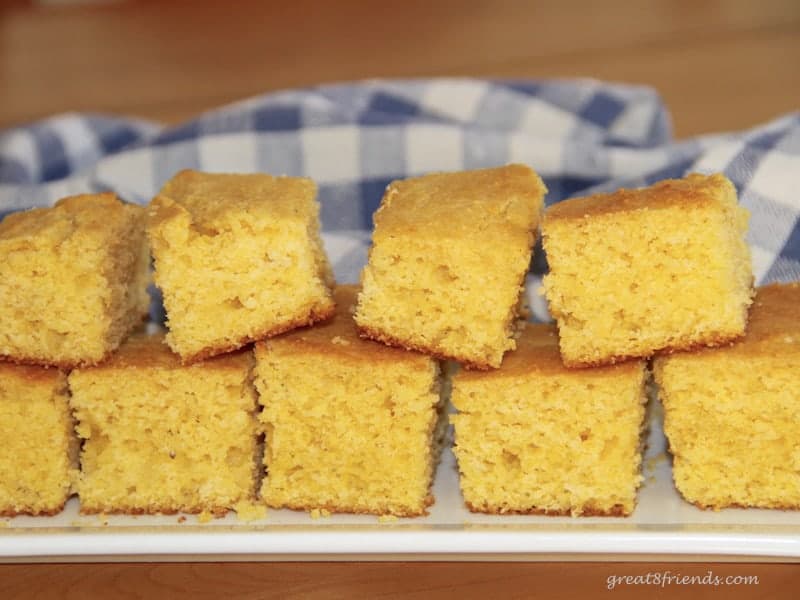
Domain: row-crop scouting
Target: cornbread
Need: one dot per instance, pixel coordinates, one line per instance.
(38, 456)
(639, 271)
(162, 437)
(536, 437)
(448, 260)
(238, 258)
(351, 425)
(73, 280)
(732, 415)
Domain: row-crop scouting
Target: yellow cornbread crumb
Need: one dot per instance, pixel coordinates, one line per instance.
(250, 510)
(159, 436)
(387, 519)
(536, 437)
(39, 449)
(73, 280)
(732, 415)
(448, 260)
(638, 271)
(348, 427)
(238, 258)
(205, 516)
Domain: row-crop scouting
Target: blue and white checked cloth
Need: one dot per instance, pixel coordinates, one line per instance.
(353, 139)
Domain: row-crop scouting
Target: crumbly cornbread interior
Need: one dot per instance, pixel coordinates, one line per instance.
(73, 280)
(162, 437)
(637, 271)
(238, 258)
(447, 265)
(38, 459)
(732, 415)
(536, 437)
(350, 424)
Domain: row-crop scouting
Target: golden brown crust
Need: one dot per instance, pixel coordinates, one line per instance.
(333, 508)
(767, 505)
(216, 510)
(694, 191)
(709, 341)
(212, 199)
(27, 511)
(317, 314)
(373, 334)
(538, 352)
(31, 373)
(56, 364)
(338, 336)
(615, 511)
(462, 203)
(150, 351)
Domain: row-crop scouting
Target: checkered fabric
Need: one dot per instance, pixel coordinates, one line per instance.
(353, 139)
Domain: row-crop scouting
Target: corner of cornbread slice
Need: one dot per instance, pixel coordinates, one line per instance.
(635, 272)
(38, 456)
(162, 437)
(351, 424)
(238, 258)
(535, 437)
(73, 280)
(448, 260)
(732, 415)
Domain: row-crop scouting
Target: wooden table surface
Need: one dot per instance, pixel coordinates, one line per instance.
(719, 65)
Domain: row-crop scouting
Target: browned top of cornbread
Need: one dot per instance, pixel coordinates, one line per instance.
(338, 336)
(537, 353)
(212, 198)
(693, 191)
(29, 373)
(773, 328)
(446, 204)
(86, 213)
(142, 351)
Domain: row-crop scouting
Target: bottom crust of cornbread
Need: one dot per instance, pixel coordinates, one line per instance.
(27, 511)
(716, 507)
(216, 511)
(318, 313)
(340, 508)
(708, 342)
(615, 511)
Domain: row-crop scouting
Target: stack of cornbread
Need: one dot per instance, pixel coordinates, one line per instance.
(339, 405)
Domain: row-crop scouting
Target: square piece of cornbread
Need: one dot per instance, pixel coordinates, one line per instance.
(39, 452)
(238, 258)
(351, 425)
(162, 437)
(73, 280)
(448, 261)
(635, 272)
(732, 415)
(536, 437)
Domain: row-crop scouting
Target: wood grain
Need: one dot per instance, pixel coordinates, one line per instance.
(465, 581)
(719, 64)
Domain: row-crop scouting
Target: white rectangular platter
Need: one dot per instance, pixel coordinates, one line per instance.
(663, 524)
